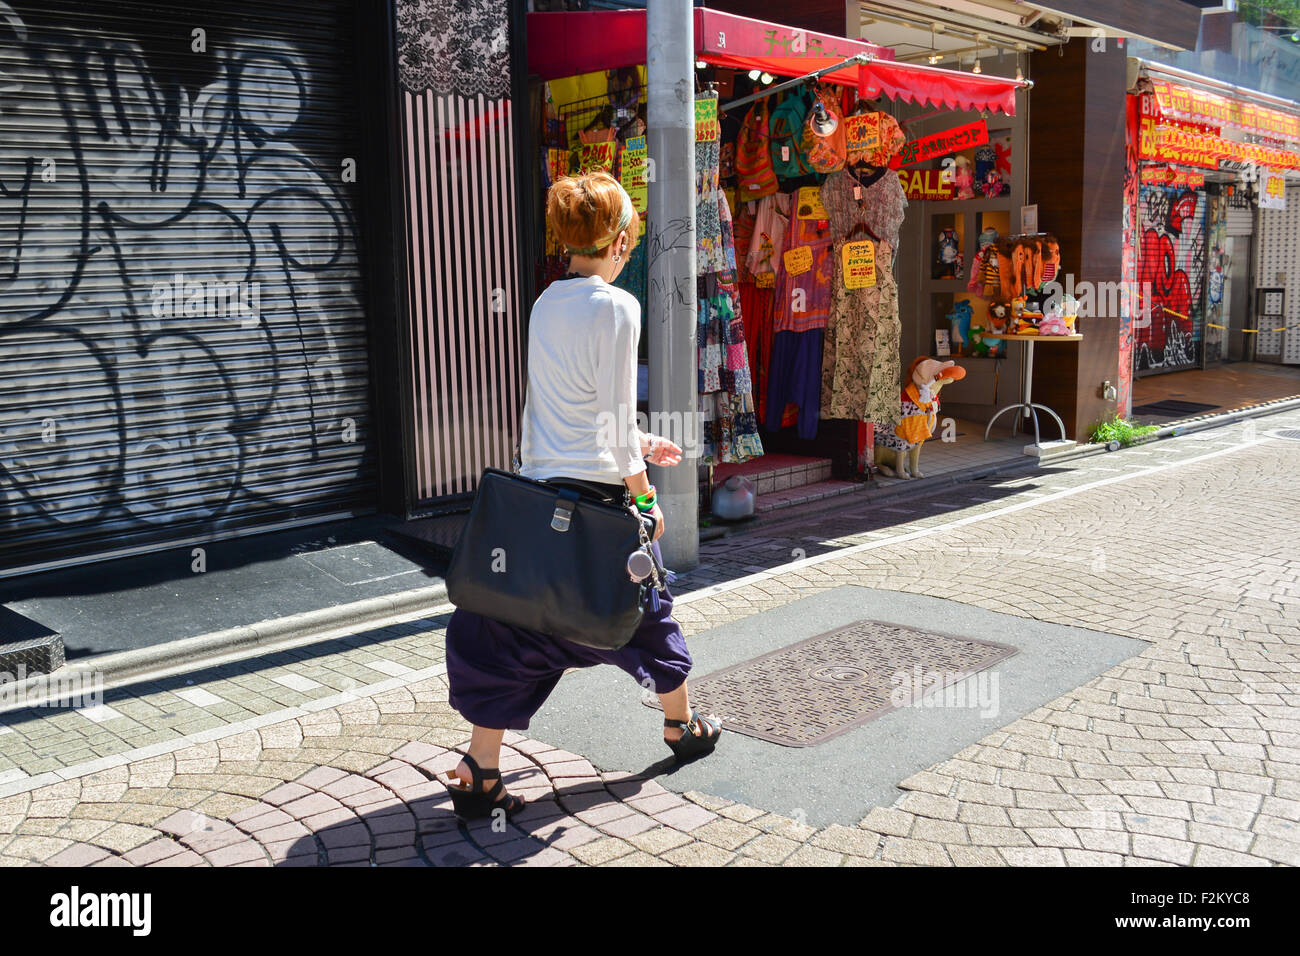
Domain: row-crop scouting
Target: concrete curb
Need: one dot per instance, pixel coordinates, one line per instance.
(125, 667)
(122, 667)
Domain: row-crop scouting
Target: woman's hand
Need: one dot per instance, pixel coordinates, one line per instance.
(660, 451)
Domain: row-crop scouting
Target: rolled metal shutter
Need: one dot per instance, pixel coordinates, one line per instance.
(1241, 220)
(183, 350)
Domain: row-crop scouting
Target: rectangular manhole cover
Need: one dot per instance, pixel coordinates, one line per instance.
(809, 692)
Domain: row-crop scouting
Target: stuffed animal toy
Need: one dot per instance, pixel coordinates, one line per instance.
(960, 318)
(948, 264)
(1053, 324)
(964, 178)
(999, 316)
(898, 448)
(977, 344)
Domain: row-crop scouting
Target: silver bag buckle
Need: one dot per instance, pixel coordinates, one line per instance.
(562, 517)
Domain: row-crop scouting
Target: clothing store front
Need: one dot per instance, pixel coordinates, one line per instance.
(1197, 150)
(1212, 248)
(801, 199)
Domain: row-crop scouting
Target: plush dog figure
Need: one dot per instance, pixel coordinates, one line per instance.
(898, 448)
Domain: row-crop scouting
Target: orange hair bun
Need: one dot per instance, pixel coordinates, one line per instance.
(584, 212)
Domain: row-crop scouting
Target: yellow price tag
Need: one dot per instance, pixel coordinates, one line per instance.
(810, 203)
(798, 260)
(707, 128)
(765, 280)
(859, 259)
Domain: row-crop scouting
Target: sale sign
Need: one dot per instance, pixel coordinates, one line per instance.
(941, 144)
(635, 173)
(859, 262)
(707, 127)
(1177, 178)
(925, 184)
(594, 156)
(862, 133)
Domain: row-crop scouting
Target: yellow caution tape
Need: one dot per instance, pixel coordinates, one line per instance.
(1280, 328)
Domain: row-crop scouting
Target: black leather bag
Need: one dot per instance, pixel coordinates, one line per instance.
(548, 558)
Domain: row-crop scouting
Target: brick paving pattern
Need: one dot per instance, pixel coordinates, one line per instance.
(1187, 754)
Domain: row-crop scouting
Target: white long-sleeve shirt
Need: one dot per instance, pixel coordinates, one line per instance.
(580, 415)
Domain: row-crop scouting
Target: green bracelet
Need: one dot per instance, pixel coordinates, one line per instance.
(647, 501)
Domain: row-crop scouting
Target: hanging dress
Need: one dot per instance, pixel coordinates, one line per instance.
(730, 428)
(860, 357)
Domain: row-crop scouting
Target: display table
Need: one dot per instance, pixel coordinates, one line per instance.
(1026, 404)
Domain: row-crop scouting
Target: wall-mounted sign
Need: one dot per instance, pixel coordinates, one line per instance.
(1272, 190)
(925, 184)
(941, 144)
(1029, 219)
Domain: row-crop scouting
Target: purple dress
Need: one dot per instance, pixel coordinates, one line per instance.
(501, 675)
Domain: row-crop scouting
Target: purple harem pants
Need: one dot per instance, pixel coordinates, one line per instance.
(501, 675)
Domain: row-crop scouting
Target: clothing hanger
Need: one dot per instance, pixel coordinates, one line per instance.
(861, 229)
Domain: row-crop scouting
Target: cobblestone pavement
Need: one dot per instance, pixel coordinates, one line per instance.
(1188, 753)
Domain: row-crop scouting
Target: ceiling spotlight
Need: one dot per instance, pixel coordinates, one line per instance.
(935, 59)
(976, 68)
(755, 74)
(700, 64)
(767, 78)
(1020, 76)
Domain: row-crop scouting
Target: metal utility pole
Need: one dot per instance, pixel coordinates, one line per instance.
(670, 137)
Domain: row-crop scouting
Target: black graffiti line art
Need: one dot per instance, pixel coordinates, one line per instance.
(136, 419)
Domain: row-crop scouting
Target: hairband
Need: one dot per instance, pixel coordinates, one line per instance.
(624, 220)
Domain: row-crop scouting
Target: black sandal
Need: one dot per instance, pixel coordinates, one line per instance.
(700, 735)
(472, 802)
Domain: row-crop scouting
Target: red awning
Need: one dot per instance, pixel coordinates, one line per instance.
(566, 44)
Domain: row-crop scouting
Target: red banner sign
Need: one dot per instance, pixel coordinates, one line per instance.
(1165, 176)
(1195, 147)
(942, 144)
(1210, 109)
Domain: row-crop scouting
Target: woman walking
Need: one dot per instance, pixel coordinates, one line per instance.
(579, 424)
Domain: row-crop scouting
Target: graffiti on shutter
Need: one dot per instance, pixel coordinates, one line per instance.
(182, 345)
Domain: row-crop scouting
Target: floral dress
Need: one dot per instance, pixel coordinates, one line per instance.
(860, 357)
(730, 428)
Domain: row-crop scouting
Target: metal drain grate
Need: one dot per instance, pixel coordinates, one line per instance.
(809, 692)
(1171, 406)
(1290, 434)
